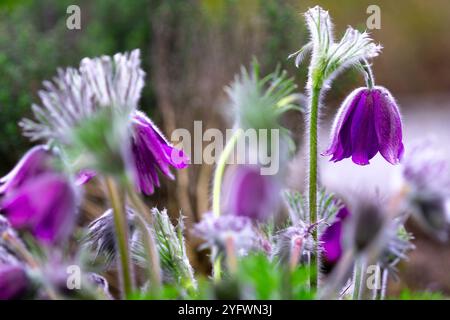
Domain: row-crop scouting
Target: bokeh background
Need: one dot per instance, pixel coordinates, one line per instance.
(191, 49)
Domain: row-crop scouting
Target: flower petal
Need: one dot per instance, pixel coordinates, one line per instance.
(388, 126)
(364, 137)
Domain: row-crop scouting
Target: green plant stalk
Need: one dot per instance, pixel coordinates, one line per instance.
(220, 170)
(312, 179)
(121, 227)
(384, 284)
(217, 186)
(357, 279)
(370, 81)
(148, 239)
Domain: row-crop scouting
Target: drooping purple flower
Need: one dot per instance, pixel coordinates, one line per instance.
(107, 85)
(35, 162)
(44, 205)
(152, 153)
(332, 238)
(250, 194)
(13, 282)
(368, 122)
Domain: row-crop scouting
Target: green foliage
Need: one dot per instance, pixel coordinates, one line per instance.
(172, 249)
(34, 42)
(406, 294)
(266, 279)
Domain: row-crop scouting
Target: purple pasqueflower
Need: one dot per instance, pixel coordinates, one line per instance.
(331, 239)
(368, 122)
(38, 160)
(152, 153)
(13, 282)
(250, 194)
(45, 206)
(35, 162)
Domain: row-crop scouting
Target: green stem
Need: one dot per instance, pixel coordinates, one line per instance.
(218, 177)
(144, 220)
(313, 124)
(220, 169)
(121, 225)
(357, 279)
(370, 81)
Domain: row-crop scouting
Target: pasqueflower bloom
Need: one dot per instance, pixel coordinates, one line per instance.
(368, 122)
(104, 84)
(13, 282)
(152, 153)
(45, 205)
(332, 238)
(35, 162)
(250, 194)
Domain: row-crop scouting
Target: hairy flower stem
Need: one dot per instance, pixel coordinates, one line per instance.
(231, 256)
(357, 271)
(144, 220)
(220, 170)
(384, 283)
(217, 185)
(370, 81)
(121, 225)
(216, 260)
(312, 179)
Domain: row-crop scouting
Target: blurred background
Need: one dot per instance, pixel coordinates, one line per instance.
(191, 49)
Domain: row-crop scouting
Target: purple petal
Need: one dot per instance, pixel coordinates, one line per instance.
(332, 237)
(153, 153)
(45, 206)
(341, 145)
(13, 282)
(33, 163)
(250, 194)
(84, 176)
(388, 126)
(364, 137)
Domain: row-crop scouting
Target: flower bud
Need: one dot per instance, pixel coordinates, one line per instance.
(250, 194)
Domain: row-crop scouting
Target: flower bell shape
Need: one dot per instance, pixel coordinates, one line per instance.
(250, 194)
(368, 122)
(151, 152)
(332, 238)
(35, 162)
(13, 282)
(45, 206)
